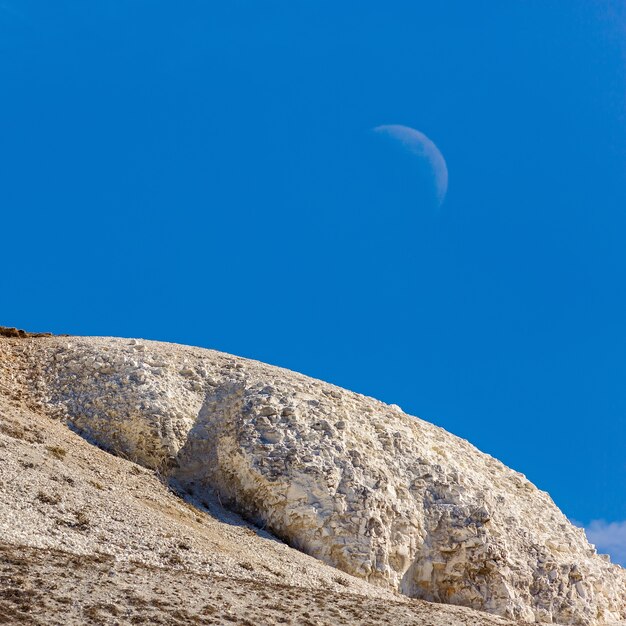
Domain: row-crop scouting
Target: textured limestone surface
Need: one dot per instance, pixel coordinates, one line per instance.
(345, 478)
(87, 537)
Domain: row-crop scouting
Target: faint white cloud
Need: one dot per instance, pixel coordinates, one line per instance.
(609, 538)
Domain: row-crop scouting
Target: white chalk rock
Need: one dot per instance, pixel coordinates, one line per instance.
(349, 480)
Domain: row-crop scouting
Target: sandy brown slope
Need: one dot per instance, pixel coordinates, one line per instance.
(90, 538)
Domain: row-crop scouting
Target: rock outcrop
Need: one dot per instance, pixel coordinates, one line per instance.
(10, 331)
(348, 479)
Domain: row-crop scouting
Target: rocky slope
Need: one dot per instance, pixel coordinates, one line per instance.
(355, 483)
(90, 538)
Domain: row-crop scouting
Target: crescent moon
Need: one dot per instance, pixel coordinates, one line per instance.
(419, 144)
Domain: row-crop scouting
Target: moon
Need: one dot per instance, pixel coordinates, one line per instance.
(420, 145)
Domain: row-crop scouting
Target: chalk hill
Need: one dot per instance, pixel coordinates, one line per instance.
(359, 485)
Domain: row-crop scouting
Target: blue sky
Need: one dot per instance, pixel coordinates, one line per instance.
(206, 173)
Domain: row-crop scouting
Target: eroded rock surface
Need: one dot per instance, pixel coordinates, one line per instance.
(348, 479)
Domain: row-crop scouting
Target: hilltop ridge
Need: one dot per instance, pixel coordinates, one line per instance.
(383, 496)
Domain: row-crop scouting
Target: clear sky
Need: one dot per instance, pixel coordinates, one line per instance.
(207, 173)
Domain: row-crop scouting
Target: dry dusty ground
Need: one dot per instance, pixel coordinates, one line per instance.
(90, 538)
(54, 587)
